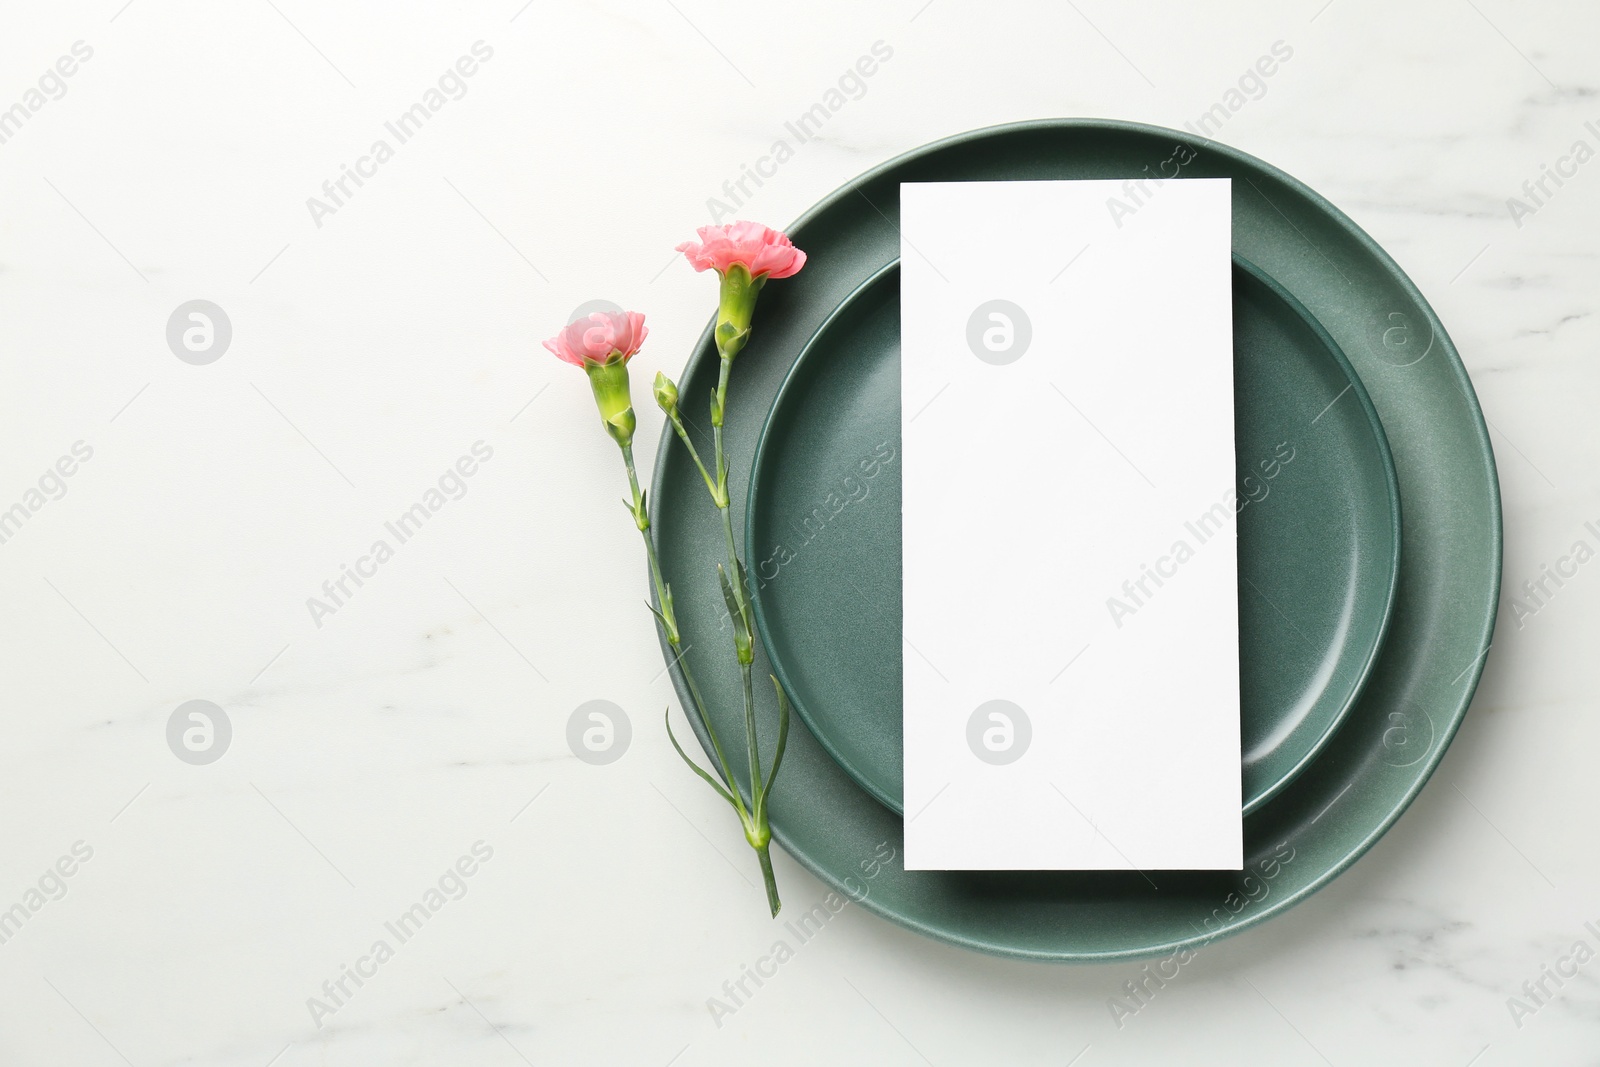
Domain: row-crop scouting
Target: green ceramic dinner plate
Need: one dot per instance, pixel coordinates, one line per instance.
(1378, 759)
(1319, 534)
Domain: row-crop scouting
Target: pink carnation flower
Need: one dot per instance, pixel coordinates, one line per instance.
(600, 337)
(759, 250)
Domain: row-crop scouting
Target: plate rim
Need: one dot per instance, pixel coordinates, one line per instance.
(1396, 524)
(703, 349)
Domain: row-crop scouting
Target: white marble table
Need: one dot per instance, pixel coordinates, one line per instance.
(418, 721)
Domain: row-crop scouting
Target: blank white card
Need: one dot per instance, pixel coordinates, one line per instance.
(1070, 603)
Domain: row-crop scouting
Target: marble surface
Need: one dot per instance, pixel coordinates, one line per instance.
(415, 729)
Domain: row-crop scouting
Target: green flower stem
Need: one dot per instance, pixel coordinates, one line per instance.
(772, 882)
(737, 568)
(756, 829)
(641, 519)
(694, 453)
(732, 332)
(762, 833)
(669, 624)
(744, 637)
(724, 501)
(717, 410)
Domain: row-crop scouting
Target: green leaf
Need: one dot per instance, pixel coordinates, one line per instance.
(666, 623)
(636, 511)
(737, 613)
(783, 739)
(695, 767)
(667, 616)
(744, 596)
(728, 597)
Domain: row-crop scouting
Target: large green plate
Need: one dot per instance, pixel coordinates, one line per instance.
(1318, 517)
(1376, 763)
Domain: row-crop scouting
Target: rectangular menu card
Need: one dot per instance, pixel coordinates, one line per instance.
(1071, 652)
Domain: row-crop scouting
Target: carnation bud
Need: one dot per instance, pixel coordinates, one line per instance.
(666, 392)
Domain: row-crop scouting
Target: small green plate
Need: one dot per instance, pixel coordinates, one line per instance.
(1391, 740)
(1318, 513)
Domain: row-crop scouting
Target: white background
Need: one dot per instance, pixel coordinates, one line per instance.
(370, 353)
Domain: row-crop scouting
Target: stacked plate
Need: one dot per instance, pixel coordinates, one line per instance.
(1369, 550)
